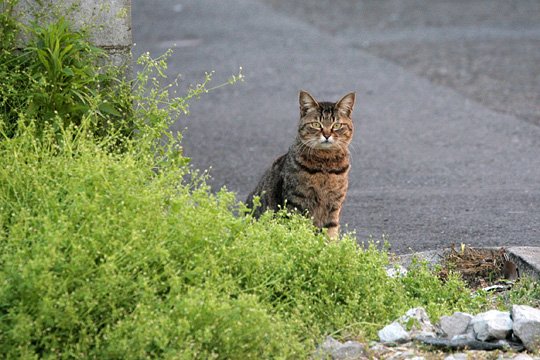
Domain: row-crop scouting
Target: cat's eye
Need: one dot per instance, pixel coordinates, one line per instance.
(316, 125)
(337, 126)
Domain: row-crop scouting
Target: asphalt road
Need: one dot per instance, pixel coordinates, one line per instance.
(487, 50)
(434, 163)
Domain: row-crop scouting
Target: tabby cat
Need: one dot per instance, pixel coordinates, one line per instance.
(312, 177)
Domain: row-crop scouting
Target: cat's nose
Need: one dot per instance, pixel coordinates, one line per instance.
(326, 138)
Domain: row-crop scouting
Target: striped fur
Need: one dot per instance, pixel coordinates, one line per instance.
(312, 177)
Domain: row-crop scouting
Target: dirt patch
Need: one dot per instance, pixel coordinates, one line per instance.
(489, 269)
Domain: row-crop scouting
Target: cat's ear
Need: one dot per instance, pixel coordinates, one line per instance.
(346, 104)
(307, 102)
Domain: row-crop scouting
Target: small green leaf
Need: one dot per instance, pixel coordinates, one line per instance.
(68, 71)
(109, 109)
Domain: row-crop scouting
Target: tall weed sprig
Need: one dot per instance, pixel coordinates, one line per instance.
(156, 110)
(58, 77)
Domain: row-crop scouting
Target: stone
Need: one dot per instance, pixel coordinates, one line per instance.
(415, 319)
(348, 351)
(418, 320)
(393, 333)
(527, 326)
(455, 324)
(326, 348)
(493, 324)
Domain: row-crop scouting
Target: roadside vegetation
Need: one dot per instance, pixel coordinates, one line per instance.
(108, 249)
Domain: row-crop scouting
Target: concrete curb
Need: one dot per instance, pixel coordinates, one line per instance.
(526, 258)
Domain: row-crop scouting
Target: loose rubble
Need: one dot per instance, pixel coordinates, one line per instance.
(509, 332)
(340, 351)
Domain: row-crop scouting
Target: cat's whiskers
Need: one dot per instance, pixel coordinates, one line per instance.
(308, 147)
(312, 144)
(352, 149)
(304, 146)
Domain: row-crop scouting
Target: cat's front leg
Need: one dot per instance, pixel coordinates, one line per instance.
(333, 232)
(330, 220)
(332, 223)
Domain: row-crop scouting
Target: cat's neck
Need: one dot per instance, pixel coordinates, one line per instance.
(337, 156)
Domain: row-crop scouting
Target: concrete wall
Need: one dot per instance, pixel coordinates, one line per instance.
(109, 21)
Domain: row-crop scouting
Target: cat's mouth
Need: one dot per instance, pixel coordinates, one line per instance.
(326, 144)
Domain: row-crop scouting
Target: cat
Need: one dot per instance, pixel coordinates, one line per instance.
(312, 177)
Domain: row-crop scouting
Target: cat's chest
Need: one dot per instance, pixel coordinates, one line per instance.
(323, 183)
(316, 184)
(320, 189)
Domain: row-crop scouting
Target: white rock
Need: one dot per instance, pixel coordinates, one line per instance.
(491, 325)
(419, 319)
(527, 326)
(455, 324)
(394, 333)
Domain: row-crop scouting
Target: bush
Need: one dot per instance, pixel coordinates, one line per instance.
(96, 251)
(57, 77)
(102, 257)
(115, 254)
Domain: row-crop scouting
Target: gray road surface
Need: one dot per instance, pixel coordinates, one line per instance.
(432, 165)
(488, 50)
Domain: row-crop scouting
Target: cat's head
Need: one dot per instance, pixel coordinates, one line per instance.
(325, 125)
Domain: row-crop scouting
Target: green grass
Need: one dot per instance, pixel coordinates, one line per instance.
(108, 251)
(102, 257)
